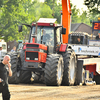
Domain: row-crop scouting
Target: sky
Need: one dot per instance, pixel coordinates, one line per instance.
(79, 4)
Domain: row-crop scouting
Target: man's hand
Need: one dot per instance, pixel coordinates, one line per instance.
(9, 65)
(10, 71)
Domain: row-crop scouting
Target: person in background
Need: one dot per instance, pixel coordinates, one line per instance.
(98, 36)
(5, 70)
(14, 49)
(79, 41)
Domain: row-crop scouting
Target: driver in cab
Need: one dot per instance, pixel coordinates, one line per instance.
(79, 41)
(45, 38)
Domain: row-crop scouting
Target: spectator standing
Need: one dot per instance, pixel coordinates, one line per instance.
(4, 72)
(14, 49)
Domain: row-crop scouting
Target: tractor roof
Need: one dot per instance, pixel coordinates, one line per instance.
(79, 33)
(47, 20)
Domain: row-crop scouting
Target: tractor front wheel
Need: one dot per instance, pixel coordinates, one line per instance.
(70, 65)
(54, 70)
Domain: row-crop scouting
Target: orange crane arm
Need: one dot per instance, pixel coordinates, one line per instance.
(66, 18)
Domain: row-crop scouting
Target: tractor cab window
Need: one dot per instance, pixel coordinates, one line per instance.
(76, 39)
(45, 35)
(20, 45)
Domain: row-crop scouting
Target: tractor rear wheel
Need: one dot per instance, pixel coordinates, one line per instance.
(25, 75)
(54, 70)
(80, 74)
(96, 79)
(70, 65)
(14, 79)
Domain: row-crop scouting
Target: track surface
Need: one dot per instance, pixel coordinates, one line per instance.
(42, 92)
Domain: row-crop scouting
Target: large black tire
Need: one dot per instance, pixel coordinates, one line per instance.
(80, 75)
(96, 79)
(14, 79)
(70, 66)
(54, 70)
(25, 76)
(80, 79)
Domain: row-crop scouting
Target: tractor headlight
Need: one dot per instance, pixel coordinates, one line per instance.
(27, 58)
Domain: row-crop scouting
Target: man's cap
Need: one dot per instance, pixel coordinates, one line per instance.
(99, 31)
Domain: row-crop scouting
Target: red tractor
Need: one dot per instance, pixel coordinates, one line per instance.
(47, 55)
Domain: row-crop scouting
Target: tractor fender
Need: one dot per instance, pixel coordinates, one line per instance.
(63, 47)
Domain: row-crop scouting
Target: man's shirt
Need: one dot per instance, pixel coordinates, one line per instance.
(0, 56)
(12, 50)
(3, 73)
(78, 42)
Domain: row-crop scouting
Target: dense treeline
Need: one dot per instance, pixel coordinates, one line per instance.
(15, 12)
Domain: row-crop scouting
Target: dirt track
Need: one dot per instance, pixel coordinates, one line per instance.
(42, 92)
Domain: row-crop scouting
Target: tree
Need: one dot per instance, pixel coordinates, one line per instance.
(12, 14)
(1, 3)
(40, 10)
(57, 13)
(93, 5)
(94, 9)
(85, 18)
(15, 12)
(75, 14)
(51, 3)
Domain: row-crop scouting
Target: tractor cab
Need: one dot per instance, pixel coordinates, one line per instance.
(46, 32)
(45, 38)
(79, 38)
(45, 35)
